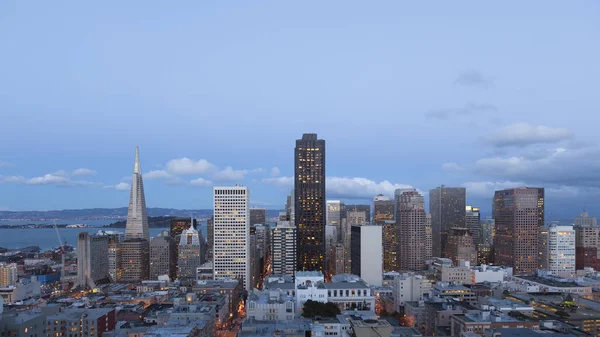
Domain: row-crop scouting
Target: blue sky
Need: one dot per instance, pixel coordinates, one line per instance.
(462, 93)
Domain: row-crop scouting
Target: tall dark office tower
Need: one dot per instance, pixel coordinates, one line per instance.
(383, 215)
(180, 225)
(210, 232)
(309, 200)
(519, 216)
(447, 207)
(258, 216)
(163, 257)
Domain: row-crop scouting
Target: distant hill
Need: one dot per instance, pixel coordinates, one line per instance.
(108, 213)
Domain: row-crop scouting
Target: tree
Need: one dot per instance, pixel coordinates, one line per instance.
(314, 308)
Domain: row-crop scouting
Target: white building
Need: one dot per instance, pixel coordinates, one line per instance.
(283, 248)
(22, 290)
(410, 287)
(309, 285)
(189, 255)
(231, 234)
(466, 274)
(270, 305)
(8, 274)
(561, 250)
(350, 292)
(367, 253)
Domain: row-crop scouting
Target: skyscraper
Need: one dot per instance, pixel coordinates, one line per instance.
(309, 199)
(163, 257)
(189, 256)
(8, 274)
(210, 232)
(587, 240)
(114, 255)
(383, 215)
(135, 250)
(137, 219)
(460, 246)
(428, 237)
(283, 248)
(258, 216)
(447, 207)
(410, 225)
(180, 225)
(367, 253)
(519, 216)
(561, 251)
(231, 250)
(335, 213)
(362, 214)
(92, 259)
(472, 218)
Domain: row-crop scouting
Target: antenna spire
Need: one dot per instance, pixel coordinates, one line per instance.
(136, 166)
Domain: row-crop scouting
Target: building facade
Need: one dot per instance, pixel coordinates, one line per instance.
(519, 216)
(460, 246)
(92, 259)
(587, 240)
(472, 219)
(309, 200)
(561, 250)
(231, 251)
(283, 249)
(447, 207)
(163, 257)
(8, 274)
(258, 216)
(367, 253)
(383, 215)
(135, 260)
(410, 287)
(410, 226)
(190, 256)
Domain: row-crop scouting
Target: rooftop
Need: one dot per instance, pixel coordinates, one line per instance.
(308, 274)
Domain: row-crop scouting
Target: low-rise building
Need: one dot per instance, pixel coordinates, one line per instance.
(22, 290)
(72, 322)
(230, 287)
(22, 324)
(548, 283)
(480, 322)
(350, 292)
(295, 328)
(455, 292)
(410, 287)
(270, 305)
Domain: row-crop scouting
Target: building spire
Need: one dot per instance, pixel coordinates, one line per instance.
(136, 165)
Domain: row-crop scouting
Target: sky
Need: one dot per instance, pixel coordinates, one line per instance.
(463, 93)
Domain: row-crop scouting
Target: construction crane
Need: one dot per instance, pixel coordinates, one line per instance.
(63, 280)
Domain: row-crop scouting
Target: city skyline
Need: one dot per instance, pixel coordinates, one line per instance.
(477, 118)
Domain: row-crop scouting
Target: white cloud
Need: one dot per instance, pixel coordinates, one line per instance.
(339, 187)
(119, 187)
(201, 182)
(275, 172)
(473, 78)
(5, 164)
(452, 167)
(157, 174)
(83, 172)
(57, 178)
(285, 182)
(186, 166)
(524, 134)
(258, 170)
(486, 189)
(12, 179)
(229, 174)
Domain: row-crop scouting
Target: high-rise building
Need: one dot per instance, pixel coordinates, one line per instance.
(340, 259)
(367, 253)
(163, 257)
(428, 237)
(485, 246)
(180, 225)
(290, 208)
(210, 232)
(561, 250)
(390, 246)
(135, 250)
(137, 219)
(587, 240)
(258, 216)
(460, 246)
(114, 255)
(189, 256)
(383, 209)
(283, 248)
(336, 211)
(383, 215)
(410, 226)
(8, 274)
(447, 207)
(92, 259)
(361, 214)
(472, 219)
(231, 250)
(135, 260)
(309, 200)
(584, 220)
(519, 216)
(543, 245)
